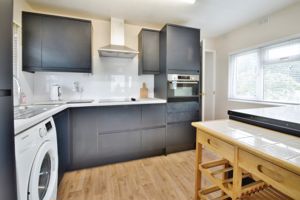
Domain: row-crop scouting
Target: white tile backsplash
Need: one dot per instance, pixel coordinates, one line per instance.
(111, 78)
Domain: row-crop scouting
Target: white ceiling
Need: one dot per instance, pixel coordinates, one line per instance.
(214, 17)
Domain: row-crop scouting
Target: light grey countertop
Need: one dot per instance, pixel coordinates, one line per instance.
(23, 124)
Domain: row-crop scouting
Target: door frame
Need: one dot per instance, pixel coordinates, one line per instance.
(204, 78)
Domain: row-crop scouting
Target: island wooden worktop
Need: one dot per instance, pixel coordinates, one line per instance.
(270, 156)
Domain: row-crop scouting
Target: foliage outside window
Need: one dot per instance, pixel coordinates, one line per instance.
(270, 73)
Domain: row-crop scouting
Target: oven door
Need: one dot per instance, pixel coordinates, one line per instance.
(183, 90)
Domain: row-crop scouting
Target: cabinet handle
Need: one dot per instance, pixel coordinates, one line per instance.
(208, 141)
(270, 173)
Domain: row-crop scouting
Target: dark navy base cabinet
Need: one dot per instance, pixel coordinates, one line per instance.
(103, 135)
(62, 124)
(180, 134)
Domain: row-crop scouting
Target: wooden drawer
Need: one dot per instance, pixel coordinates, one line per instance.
(281, 179)
(217, 146)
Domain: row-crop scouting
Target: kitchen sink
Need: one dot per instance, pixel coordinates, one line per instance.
(81, 101)
(25, 112)
(117, 100)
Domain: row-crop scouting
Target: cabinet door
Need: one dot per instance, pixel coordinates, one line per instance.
(84, 137)
(153, 115)
(119, 118)
(149, 52)
(120, 146)
(183, 112)
(63, 142)
(66, 44)
(7, 153)
(32, 41)
(183, 49)
(180, 136)
(153, 139)
(6, 44)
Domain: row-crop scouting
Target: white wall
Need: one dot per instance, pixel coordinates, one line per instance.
(281, 24)
(26, 79)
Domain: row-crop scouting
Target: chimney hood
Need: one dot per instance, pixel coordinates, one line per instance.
(117, 47)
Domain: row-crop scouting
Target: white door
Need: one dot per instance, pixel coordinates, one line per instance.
(209, 85)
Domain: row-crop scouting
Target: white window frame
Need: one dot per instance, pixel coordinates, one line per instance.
(259, 86)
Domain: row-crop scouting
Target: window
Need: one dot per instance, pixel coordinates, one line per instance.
(270, 73)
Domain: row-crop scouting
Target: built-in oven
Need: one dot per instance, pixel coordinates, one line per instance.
(182, 87)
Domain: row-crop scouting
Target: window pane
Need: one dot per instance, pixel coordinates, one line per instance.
(246, 67)
(284, 52)
(282, 82)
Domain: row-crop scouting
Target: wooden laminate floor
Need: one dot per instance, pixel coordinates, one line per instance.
(157, 178)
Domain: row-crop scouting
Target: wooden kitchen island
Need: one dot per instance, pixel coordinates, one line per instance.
(255, 163)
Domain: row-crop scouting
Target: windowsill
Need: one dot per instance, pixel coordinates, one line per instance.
(261, 102)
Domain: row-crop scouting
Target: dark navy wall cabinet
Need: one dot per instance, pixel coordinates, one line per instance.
(180, 49)
(148, 52)
(52, 43)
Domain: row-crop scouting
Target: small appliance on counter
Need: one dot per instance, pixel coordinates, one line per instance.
(55, 93)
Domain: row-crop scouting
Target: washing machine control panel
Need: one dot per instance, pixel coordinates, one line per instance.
(43, 132)
(48, 126)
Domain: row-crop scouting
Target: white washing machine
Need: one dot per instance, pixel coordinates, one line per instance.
(37, 162)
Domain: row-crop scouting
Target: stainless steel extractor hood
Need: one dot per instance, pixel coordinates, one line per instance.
(117, 47)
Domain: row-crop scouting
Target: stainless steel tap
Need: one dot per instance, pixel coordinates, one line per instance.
(19, 89)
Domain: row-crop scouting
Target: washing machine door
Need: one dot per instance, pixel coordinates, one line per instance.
(43, 176)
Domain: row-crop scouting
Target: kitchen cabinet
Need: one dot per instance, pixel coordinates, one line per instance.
(183, 112)
(180, 49)
(180, 133)
(180, 136)
(8, 186)
(148, 52)
(62, 124)
(119, 118)
(52, 43)
(119, 146)
(110, 134)
(6, 45)
(153, 141)
(32, 42)
(84, 146)
(7, 158)
(153, 115)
